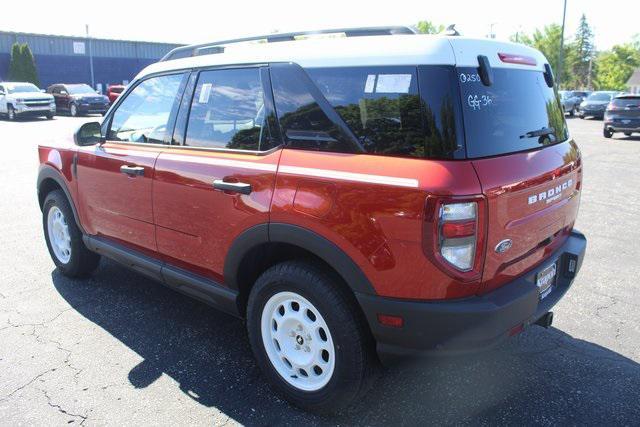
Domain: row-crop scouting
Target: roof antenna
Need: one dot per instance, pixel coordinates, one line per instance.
(451, 31)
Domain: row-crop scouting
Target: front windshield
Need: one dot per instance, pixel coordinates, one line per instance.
(600, 97)
(79, 89)
(22, 88)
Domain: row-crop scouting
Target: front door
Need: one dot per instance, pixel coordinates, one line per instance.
(219, 181)
(115, 178)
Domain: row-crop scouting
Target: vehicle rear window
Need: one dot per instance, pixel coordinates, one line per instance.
(504, 117)
(633, 102)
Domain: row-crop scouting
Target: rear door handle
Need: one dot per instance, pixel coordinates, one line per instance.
(132, 170)
(234, 187)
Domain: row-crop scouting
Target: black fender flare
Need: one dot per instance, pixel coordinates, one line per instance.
(49, 172)
(297, 236)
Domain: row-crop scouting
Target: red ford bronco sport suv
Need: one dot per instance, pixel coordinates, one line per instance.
(354, 199)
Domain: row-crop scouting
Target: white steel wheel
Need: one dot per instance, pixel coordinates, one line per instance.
(297, 341)
(59, 236)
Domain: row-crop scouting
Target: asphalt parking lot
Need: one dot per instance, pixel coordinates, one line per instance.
(120, 349)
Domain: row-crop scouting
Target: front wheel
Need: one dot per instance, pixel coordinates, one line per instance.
(572, 112)
(64, 238)
(309, 338)
(607, 133)
(49, 116)
(73, 110)
(627, 134)
(11, 113)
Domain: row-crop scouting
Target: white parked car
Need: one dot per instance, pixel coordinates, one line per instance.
(18, 99)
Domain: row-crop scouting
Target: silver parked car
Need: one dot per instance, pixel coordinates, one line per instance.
(571, 99)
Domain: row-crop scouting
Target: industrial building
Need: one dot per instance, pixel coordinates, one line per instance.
(64, 59)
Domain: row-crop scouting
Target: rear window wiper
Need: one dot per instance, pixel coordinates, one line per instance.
(539, 132)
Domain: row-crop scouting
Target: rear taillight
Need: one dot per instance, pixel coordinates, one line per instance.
(454, 235)
(457, 233)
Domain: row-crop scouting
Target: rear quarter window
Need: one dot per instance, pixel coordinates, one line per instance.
(395, 110)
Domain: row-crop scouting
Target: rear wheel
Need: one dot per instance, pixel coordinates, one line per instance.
(309, 339)
(607, 133)
(627, 134)
(64, 238)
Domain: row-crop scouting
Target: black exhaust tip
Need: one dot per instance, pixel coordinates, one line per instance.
(546, 320)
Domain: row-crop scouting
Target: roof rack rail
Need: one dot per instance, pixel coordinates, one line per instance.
(218, 46)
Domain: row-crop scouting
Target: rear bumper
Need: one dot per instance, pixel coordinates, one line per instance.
(617, 125)
(473, 323)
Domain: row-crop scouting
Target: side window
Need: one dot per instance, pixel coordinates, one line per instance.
(306, 125)
(228, 110)
(381, 105)
(144, 115)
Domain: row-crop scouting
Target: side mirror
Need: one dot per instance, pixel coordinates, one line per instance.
(88, 134)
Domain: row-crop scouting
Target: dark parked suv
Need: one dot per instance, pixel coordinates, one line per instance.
(622, 115)
(78, 99)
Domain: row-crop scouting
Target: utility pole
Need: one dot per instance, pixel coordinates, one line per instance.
(560, 57)
(491, 33)
(93, 83)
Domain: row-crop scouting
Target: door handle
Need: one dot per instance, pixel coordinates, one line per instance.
(234, 187)
(132, 170)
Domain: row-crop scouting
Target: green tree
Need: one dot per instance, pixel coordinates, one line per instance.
(16, 64)
(30, 70)
(547, 41)
(580, 56)
(22, 67)
(614, 67)
(428, 27)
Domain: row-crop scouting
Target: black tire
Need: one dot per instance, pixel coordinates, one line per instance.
(572, 112)
(11, 113)
(607, 133)
(49, 116)
(73, 110)
(82, 261)
(355, 361)
(627, 133)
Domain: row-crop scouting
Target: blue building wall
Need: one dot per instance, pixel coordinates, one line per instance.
(114, 61)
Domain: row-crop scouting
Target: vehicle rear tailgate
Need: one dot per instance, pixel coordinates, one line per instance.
(533, 199)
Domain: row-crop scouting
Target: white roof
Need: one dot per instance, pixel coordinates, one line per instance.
(361, 51)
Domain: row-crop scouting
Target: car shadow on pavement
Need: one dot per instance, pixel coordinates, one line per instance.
(541, 376)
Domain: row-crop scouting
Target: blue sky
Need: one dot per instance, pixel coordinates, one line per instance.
(189, 21)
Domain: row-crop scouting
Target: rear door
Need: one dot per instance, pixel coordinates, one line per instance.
(529, 167)
(218, 180)
(115, 178)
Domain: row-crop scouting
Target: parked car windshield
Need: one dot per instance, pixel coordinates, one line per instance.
(79, 89)
(600, 97)
(22, 88)
(518, 112)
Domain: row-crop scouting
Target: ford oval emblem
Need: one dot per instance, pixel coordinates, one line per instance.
(504, 246)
